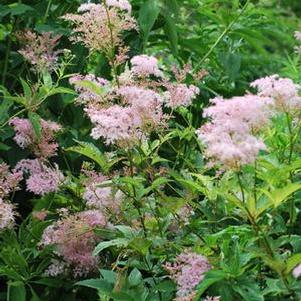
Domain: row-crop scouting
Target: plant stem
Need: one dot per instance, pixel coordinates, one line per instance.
(47, 11)
(111, 55)
(227, 29)
(291, 150)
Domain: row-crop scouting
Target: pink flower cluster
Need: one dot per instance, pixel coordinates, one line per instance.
(8, 180)
(100, 26)
(8, 183)
(7, 215)
(44, 147)
(144, 65)
(103, 199)
(127, 113)
(283, 91)
(39, 50)
(41, 178)
(188, 271)
(229, 135)
(74, 240)
(297, 271)
(89, 88)
(180, 95)
(121, 4)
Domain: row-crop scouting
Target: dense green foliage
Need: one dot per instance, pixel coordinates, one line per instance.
(246, 221)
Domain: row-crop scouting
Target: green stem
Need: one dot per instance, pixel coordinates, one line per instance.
(47, 11)
(227, 29)
(111, 55)
(6, 61)
(291, 149)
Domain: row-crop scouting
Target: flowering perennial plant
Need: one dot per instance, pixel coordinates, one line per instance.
(229, 135)
(39, 50)
(74, 240)
(100, 26)
(25, 137)
(145, 192)
(188, 271)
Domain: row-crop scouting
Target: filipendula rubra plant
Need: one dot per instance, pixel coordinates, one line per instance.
(155, 227)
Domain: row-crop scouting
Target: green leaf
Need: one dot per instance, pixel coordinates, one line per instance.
(26, 90)
(278, 196)
(118, 242)
(47, 79)
(148, 14)
(135, 277)
(171, 31)
(17, 9)
(211, 277)
(93, 87)
(4, 147)
(249, 290)
(35, 121)
(91, 151)
(16, 292)
(98, 284)
(292, 262)
(141, 245)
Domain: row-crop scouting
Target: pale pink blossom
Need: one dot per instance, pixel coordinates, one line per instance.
(39, 50)
(146, 103)
(75, 240)
(25, 137)
(187, 271)
(7, 215)
(100, 28)
(297, 271)
(180, 95)
(121, 4)
(41, 178)
(104, 199)
(39, 215)
(115, 124)
(297, 35)
(283, 91)
(56, 268)
(229, 136)
(9, 181)
(89, 87)
(144, 65)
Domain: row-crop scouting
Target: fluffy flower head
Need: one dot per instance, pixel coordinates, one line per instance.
(75, 240)
(229, 135)
(144, 65)
(283, 91)
(188, 271)
(39, 50)
(25, 137)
